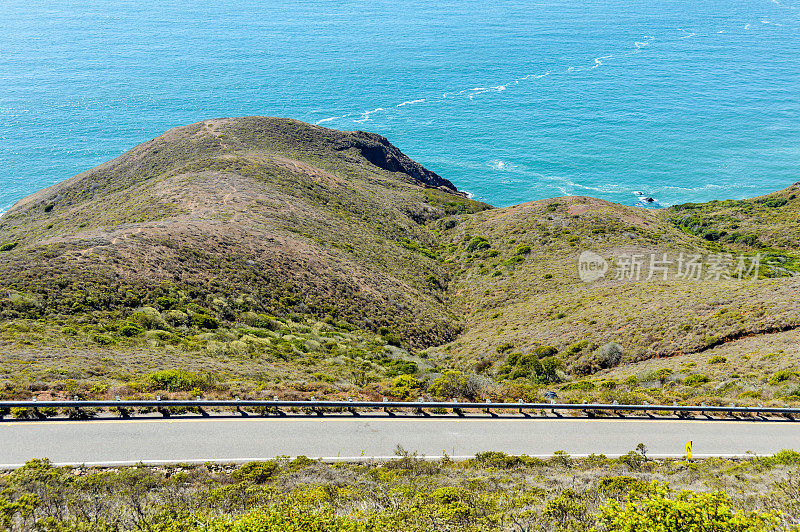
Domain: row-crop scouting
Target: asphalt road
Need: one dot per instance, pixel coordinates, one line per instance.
(114, 441)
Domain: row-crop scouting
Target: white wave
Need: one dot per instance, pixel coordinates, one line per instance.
(646, 42)
(498, 165)
(331, 119)
(785, 6)
(366, 114)
(599, 60)
(688, 33)
(747, 26)
(482, 90)
(470, 93)
(709, 186)
(585, 187)
(410, 102)
(771, 23)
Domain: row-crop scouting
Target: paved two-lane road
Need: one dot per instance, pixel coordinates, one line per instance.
(115, 441)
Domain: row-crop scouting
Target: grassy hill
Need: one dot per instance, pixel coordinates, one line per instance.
(267, 256)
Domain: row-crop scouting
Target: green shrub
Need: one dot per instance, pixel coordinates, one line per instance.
(204, 321)
(176, 317)
(686, 512)
(150, 319)
(8, 246)
(696, 379)
(130, 330)
(781, 376)
(176, 380)
(502, 460)
(400, 367)
(405, 386)
(787, 457)
(583, 386)
(478, 243)
(392, 339)
(513, 260)
(166, 303)
(545, 351)
(577, 348)
(23, 413)
(102, 339)
(523, 249)
(446, 495)
(256, 472)
(717, 360)
(502, 348)
(455, 384)
(519, 366)
(416, 246)
(621, 485)
(774, 203)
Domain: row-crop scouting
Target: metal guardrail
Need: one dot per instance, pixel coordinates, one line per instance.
(418, 406)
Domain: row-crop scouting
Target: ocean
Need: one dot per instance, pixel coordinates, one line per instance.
(512, 100)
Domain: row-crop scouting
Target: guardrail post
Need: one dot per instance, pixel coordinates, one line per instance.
(239, 408)
(200, 409)
(163, 411)
(76, 408)
(278, 410)
(386, 408)
(419, 409)
(456, 410)
(123, 412)
(616, 412)
(352, 409)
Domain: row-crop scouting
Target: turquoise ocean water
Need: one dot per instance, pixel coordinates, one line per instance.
(511, 100)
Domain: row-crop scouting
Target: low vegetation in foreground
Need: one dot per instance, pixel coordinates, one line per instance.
(491, 492)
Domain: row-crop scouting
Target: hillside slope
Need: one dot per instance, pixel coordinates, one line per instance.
(260, 256)
(520, 289)
(257, 214)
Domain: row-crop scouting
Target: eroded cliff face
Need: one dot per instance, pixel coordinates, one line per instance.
(383, 154)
